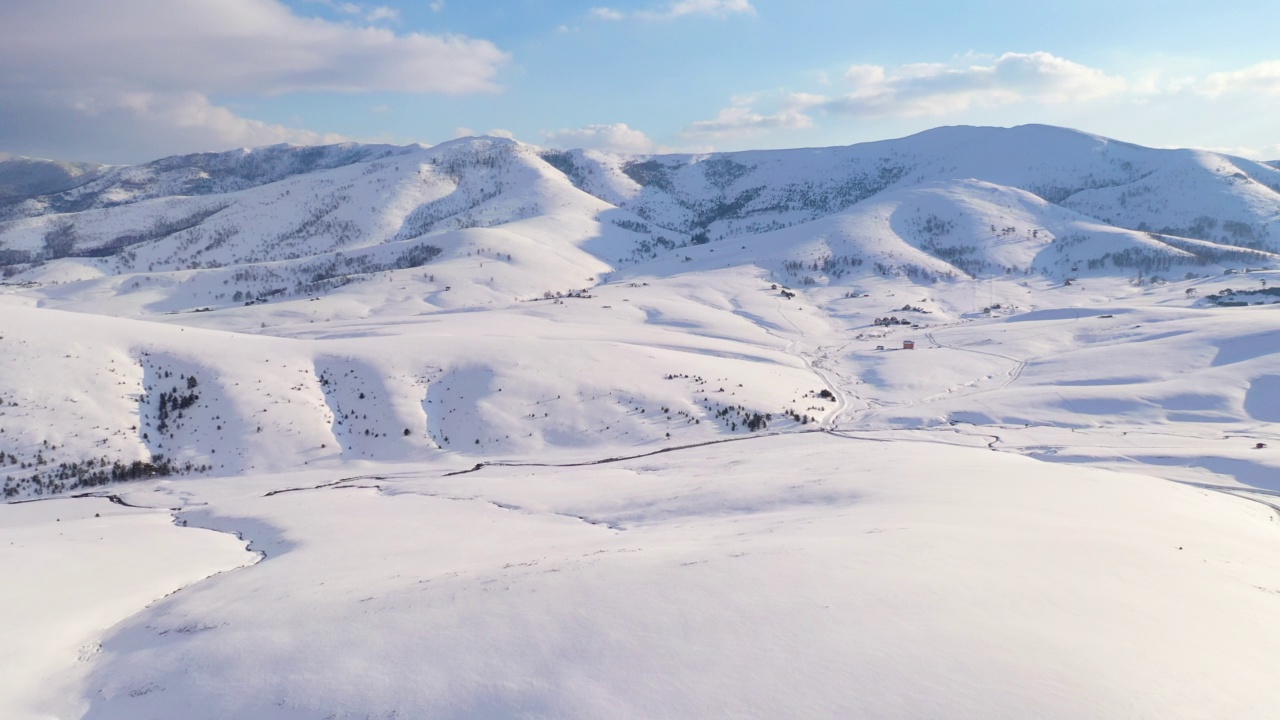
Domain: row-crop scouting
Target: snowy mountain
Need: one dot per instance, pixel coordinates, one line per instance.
(665, 265)
(59, 187)
(921, 398)
(396, 194)
(23, 177)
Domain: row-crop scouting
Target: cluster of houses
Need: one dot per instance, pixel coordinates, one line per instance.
(885, 321)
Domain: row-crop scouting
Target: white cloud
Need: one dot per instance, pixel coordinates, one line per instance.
(615, 137)
(937, 89)
(436, 5)
(231, 46)
(382, 12)
(742, 121)
(681, 8)
(463, 131)
(193, 111)
(79, 57)
(1265, 153)
(1157, 82)
(603, 13)
(346, 8)
(1260, 79)
(1228, 110)
(717, 8)
(138, 126)
(369, 13)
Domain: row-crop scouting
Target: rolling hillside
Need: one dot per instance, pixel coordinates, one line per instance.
(979, 423)
(488, 298)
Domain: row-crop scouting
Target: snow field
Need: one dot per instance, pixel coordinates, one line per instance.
(796, 576)
(74, 569)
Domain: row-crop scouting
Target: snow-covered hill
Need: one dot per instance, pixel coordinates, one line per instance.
(788, 577)
(23, 177)
(314, 200)
(1172, 192)
(627, 394)
(72, 187)
(505, 268)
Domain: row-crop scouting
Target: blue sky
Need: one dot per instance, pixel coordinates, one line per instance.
(130, 80)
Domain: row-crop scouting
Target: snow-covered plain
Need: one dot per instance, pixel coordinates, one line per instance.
(577, 435)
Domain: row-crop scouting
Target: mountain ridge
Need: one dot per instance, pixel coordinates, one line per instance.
(504, 299)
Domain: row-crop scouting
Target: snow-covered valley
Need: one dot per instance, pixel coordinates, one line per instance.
(976, 423)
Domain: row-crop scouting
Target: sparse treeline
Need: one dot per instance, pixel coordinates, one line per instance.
(48, 479)
(737, 211)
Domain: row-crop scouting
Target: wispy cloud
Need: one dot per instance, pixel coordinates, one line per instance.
(916, 90)
(1022, 87)
(461, 132)
(137, 126)
(1260, 79)
(613, 137)
(368, 13)
(742, 121)
(604, 13)
(937, 88)
(381, 13)
(683, 8)
(1264, 153)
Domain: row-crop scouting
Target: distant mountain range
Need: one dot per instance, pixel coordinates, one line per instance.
(284, 202)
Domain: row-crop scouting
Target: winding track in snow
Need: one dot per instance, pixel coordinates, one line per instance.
(833, 416)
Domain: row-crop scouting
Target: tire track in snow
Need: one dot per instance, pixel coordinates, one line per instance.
(1013, 374)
